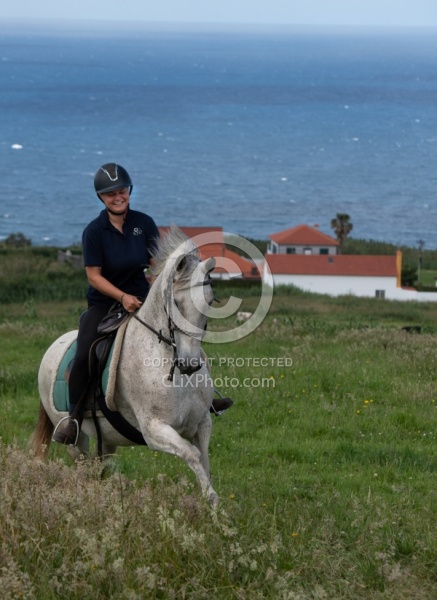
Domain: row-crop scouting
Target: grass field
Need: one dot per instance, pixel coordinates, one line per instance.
(326, 469)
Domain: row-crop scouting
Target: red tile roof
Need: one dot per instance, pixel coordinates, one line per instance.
(193, 231)
(346, 265)
(248, 269)
(303, 235)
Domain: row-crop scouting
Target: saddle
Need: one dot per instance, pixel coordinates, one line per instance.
(116, 316)
(101, 347)
(99, 361)
(100, 357)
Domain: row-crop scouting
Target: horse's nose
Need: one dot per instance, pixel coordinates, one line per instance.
(188, 365)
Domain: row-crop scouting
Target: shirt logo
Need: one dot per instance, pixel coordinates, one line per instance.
(137, 231)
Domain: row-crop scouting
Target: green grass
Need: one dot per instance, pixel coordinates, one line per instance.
(428, 278)
(326, 469)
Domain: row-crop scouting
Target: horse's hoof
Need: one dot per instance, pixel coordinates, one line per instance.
(213, 499)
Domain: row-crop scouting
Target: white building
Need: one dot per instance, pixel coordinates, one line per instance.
(302, 240)
(371, 276)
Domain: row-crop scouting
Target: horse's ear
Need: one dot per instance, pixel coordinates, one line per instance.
(209, 265)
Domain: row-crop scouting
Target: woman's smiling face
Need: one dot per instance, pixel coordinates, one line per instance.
(116, 201)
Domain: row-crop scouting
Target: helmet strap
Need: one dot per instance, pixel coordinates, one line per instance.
(118, 214)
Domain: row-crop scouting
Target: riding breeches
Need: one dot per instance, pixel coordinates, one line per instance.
(80, 375)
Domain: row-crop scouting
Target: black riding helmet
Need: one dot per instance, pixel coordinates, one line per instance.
(111, 177)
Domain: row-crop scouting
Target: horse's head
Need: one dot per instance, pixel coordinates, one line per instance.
(187, 293)
(192, 299)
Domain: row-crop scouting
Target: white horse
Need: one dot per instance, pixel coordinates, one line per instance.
(163, 387)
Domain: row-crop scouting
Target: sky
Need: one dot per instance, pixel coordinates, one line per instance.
(395, 13)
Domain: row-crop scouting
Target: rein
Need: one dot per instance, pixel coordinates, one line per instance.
(170, 341)
(161, 338)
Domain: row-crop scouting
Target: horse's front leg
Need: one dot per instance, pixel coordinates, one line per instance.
(201, 441)
(161, 436)
(81, 450)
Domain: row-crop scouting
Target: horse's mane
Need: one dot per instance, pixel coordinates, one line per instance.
(174, 244)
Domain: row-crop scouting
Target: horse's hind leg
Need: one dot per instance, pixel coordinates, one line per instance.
(161, 436)
(109, 465)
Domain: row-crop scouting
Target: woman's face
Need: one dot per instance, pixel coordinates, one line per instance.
(116, 201)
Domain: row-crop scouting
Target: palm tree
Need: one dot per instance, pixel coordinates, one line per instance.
(342, 227)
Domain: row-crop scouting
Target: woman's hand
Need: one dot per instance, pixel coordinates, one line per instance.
(100, 283)
(130, 303)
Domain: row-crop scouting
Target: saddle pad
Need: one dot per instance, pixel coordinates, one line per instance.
(60, 387)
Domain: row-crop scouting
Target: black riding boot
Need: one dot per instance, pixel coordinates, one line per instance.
(67, 431)
(219, 405)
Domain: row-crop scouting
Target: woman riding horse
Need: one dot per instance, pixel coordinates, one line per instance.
(117, 248)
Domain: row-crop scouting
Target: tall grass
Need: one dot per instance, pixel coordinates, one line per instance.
(33, 274)
(325, 468)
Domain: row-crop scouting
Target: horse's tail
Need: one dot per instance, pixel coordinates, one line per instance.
(42, 436)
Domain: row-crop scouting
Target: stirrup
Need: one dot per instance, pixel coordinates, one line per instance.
(67, 418)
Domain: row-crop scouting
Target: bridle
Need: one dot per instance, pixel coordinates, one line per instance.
(172, 327)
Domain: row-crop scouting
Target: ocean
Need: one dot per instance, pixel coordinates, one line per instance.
(252, 129)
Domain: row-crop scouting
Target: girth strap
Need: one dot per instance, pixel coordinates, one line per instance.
(115, 418)
(119, 423)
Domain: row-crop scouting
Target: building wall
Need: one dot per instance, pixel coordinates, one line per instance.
(356, 286)
(338, 286)
(414, 295)
(275, 248)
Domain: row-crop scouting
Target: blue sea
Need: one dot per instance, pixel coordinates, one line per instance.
(252, 129)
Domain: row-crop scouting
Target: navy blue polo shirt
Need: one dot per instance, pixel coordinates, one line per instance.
(122, 257)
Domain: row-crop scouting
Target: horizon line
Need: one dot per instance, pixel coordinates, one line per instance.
(122, 23)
